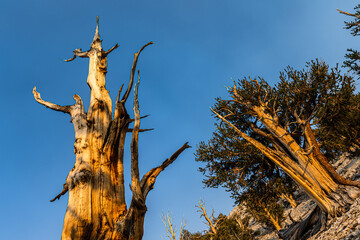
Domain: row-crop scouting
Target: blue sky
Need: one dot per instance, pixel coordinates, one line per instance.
(200, 45)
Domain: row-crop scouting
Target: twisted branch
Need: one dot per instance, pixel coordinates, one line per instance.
(78, 53)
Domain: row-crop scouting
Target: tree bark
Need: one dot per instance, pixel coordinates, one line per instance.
(306, 165)
(96, 207)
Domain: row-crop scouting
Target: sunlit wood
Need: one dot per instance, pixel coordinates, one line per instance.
(96, 207)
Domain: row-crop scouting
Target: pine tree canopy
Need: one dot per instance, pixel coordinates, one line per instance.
(318, 95)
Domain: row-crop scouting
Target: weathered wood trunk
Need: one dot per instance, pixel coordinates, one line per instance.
(97, 207)
(306, 165)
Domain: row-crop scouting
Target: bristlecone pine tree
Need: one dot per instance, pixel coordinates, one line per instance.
(97, 207)
(290, 124)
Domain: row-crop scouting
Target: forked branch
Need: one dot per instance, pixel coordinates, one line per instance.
(171, 229)
(209, 219)
(169, 226)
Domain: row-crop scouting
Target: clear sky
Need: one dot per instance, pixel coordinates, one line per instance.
(200, 45)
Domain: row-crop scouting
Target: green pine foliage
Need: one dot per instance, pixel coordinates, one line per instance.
(353, 56)
(318, 94)
(229, 229)
(327, 98)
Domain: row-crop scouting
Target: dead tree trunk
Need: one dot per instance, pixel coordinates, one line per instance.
(97, 207)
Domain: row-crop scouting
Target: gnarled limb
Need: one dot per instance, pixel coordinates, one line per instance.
(78, 53)
(76, 111)
(64, 109)
(148, 180)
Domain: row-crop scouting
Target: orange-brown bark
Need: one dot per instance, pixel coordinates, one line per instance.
(96, 207)
(308, 167)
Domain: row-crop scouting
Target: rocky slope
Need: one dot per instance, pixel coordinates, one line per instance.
(345, 227)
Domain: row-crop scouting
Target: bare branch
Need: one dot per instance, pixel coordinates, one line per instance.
(348, 14)
(141, 130)
(132, 73)
(140, 117)
(64, 109)
(118, 96)
(111, 49)
(256, 82)
(266, 95)
(169, 225)
(209, 220)
(78, 53)
(65, 189)
(148, 180)
(182, 228)
(135, 180)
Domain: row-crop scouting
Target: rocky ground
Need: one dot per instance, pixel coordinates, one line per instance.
(345, 227)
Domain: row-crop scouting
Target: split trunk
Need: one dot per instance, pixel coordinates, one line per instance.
(306, 165)
(96, 207)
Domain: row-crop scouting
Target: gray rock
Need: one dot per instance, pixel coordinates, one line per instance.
(345, 227)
